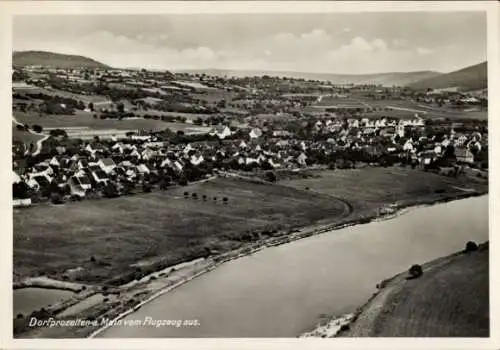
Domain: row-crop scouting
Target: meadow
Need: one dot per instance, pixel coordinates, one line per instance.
(86, 119)
(375, 186)
(159, 226)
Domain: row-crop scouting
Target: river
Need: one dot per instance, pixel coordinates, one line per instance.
(283, 291)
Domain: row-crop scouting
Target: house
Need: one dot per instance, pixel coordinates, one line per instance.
(353, 123)
(143, 169)
(107, 165)
(119, 147)
(179, 165)
(15, 178)
(301, 159)
(197, 159)
(188, 149)
(282, 133)
(408, 146)
(255, 133)
(100, 176)
(89, 149)
(82, 164)
(43, 180)
(75, 188)
(82, 181)
(464, 155)
(221, 131)
(427, 157)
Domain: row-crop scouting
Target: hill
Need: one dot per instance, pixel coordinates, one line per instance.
(470, 78)
(385, 79)
(451, 299)
(54, 60)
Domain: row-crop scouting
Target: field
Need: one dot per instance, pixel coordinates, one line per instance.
(165, 225)
(369, 187)
(96, 99)
(160, 225)
(24, 136)
(451, 299)
(398, 108)
(84, 119)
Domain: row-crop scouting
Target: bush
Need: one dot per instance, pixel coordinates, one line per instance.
(225, 200)
(344, 327)
(194, 195)
(75, 198)
(270, 176)
(204, 197)
(92, 259)
(37, 128)
(215, 198)
(416, 271)
(56, 198)
(470, 247)
(186, 194)
(19, 316)
(146, 188)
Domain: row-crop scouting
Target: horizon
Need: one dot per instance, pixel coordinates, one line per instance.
(329, 43)
(181, 70)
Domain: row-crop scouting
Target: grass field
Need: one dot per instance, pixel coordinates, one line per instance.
(50, 239)
(67, 94)
(400, 108)
(24, 136)
(84, 119)
(369, 187)
(451, 299)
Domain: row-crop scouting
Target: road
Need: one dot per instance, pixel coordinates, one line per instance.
(39, 142)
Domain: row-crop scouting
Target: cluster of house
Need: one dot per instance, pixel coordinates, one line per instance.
(132, 158)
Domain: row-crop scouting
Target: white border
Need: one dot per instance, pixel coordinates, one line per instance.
(8, 9)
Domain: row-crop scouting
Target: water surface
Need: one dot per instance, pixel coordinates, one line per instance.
(282, 291)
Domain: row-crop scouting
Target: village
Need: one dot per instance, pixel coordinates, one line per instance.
(258, 126)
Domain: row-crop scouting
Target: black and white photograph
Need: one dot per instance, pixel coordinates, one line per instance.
(229, 174)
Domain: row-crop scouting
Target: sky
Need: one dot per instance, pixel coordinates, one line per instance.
(345, 43)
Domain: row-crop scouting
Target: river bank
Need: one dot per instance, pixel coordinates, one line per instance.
(154, 285)
(386, 313)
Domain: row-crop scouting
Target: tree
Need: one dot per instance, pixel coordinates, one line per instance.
(120, 107)
(470, 247)
(91, 106)
(183, 181)
(270, 176)
(110, 190)
(194, 195)
(146, 187)
(20, 190)
(416, 271)
(225, 200)
(37, 128)
(56, 198)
